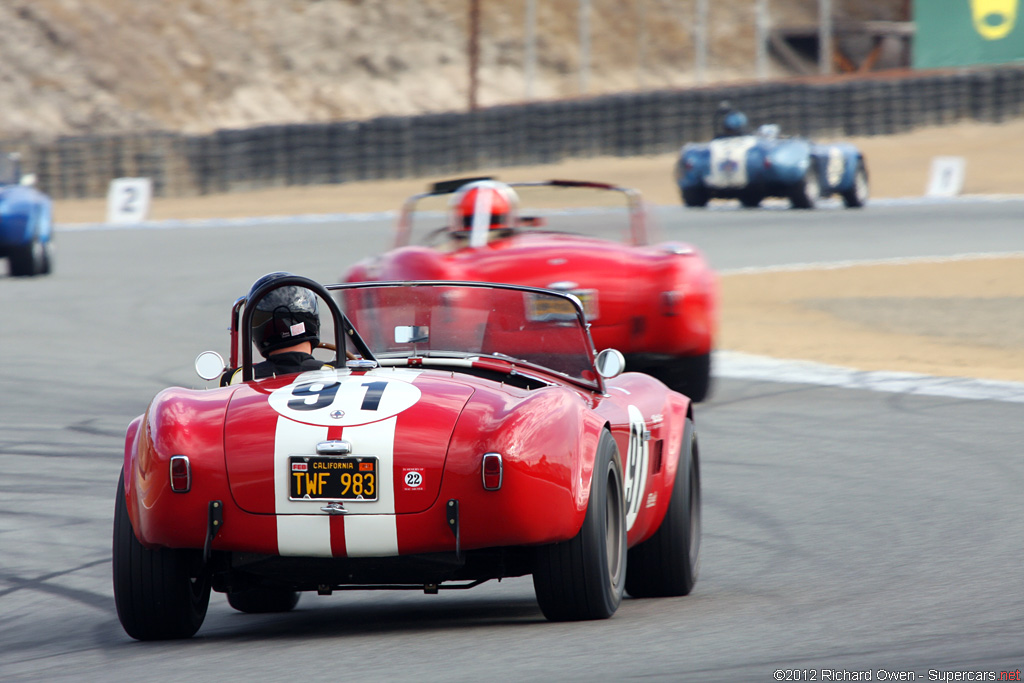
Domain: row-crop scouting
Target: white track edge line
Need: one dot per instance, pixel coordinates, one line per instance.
(738, 365)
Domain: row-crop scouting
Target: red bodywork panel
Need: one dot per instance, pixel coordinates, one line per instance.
(660, 299)
(434, 423)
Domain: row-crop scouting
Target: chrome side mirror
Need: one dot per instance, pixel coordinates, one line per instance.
(610, 363)
(209, 365)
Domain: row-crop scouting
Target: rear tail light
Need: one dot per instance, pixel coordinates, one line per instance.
(492, 471)
(671, 302)
(181, 474)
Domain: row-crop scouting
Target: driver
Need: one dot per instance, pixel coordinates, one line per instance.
(730, 122)
(285, 330)
(486, 203)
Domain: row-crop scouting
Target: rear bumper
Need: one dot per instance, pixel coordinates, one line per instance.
(234, 571)
(532, 507)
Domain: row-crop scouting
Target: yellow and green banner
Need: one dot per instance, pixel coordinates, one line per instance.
(965, 32)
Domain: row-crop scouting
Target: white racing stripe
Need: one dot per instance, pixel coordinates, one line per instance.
(481, 218)
(302, 529)
(371, 529)
(728, 164)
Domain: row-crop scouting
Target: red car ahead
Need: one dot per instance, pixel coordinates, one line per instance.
(450, 449)
(657, 303)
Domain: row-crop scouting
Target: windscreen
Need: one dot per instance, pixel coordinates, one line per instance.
(595, 212)
(463, 320)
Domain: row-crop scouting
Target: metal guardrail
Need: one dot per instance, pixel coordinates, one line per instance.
(542, 132)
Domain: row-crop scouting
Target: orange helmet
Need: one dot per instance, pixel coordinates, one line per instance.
(489, 204)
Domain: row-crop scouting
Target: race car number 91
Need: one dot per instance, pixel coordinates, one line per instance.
(329, 400)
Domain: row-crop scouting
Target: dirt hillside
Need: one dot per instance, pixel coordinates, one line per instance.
(108, 66)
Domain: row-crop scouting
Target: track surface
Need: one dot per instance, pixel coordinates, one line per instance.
(843, 529)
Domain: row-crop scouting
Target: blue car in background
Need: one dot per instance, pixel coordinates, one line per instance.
(751, 167)
(26, 229)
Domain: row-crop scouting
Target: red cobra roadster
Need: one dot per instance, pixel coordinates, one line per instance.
(472, 434)
(657, 303)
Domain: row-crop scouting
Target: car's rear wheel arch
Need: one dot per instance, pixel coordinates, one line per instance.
(667, 563)
(696, 196)
(857, 196)
(29, 259)
(805, 193)
(584, 577)
(159, 593)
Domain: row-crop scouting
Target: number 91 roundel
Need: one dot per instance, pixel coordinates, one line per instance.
(332, 401)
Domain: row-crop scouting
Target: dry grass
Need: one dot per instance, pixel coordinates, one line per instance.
(957, 319)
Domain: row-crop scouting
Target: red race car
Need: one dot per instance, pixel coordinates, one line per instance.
(658, 304)
(469, 432)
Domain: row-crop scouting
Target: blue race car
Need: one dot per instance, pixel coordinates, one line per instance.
(26, 230)
(750, 167)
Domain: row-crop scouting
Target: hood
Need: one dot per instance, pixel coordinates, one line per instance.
(401, 417)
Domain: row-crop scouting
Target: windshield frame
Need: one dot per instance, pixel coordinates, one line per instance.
(637, 234)
(597, 384)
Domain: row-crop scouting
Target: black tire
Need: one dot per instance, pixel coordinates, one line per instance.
(668, 562)
(263, 600)
(857, 196)
(805, 193)
(750, 200)
(689, 375)
(28, 259)
(159, 594)
(695, 196)
(47, 258)
(584, 577)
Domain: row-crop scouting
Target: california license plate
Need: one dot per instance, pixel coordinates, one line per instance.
(552, 308)
(318, 478)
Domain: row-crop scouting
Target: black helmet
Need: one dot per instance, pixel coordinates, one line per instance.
(284, 316)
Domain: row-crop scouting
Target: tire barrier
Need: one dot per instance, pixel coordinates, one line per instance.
(628, 124)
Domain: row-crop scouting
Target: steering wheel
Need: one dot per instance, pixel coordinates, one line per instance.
(331, 347)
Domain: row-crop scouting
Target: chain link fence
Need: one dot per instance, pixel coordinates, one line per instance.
(537, 133)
